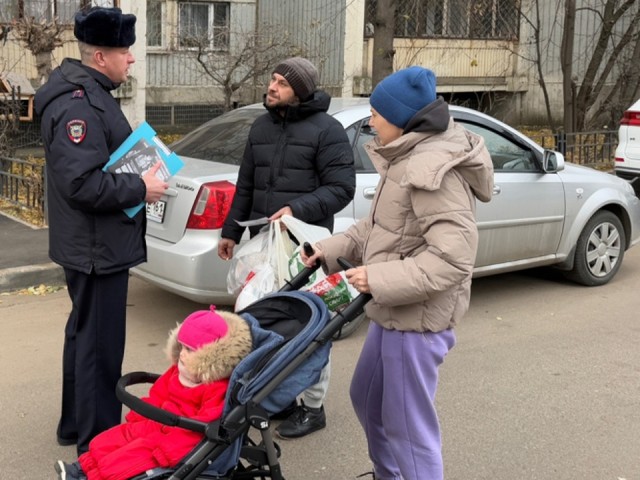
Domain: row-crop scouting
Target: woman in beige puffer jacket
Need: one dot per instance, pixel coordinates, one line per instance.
(415, 254)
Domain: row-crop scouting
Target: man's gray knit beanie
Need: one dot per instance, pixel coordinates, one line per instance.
(301, 74)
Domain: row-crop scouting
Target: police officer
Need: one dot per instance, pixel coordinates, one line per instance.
(89, 234)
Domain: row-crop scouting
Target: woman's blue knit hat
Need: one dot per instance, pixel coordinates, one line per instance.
(402, 94)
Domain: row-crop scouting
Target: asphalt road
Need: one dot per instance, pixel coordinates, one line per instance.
(544, 383)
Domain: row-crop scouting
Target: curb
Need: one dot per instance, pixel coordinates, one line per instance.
(18, 278)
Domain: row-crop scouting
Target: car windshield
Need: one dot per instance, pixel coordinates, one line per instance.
(222, 139)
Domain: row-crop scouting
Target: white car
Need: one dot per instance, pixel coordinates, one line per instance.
(543, 211)
(627, 164)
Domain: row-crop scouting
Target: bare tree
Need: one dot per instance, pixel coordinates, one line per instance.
(538, 49)
(9, 121)
(612, 74)
(566, 64)
(383, 33)
(608, 54)
(626, 88)
(252, 56)
(41, 37)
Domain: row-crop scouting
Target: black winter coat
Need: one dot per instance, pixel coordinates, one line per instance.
(302, 159)
(82, 124)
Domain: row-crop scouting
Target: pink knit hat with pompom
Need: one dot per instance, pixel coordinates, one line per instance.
(201, 328)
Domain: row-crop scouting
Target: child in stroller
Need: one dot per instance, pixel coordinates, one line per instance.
(203, 351)
(291, 333)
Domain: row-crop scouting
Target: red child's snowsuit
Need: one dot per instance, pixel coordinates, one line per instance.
(140, 444)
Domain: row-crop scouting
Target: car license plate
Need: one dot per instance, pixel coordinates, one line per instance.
(155, 211)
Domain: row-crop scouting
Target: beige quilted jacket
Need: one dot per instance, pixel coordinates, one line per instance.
(420, 239)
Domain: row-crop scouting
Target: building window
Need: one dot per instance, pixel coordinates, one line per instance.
(203, 25)
(63, 10)
(155, 12)
(476, 19)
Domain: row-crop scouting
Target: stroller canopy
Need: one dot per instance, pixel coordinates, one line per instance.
(283, 326)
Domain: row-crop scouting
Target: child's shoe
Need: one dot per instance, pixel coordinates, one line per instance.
(69, 471)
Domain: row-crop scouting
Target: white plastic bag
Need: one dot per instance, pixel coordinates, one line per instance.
(280, 250)
(247, 260)
(269, 271)
(259, 285)
(334, 289)
(304, 232)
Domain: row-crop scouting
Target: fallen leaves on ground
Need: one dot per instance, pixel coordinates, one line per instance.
(32, 216)
(39, 290)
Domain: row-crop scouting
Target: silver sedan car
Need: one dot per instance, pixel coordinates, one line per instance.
(543, 212)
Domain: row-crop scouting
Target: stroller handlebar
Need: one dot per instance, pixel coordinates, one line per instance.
(149, 411)
(303, 276)
(347, 314)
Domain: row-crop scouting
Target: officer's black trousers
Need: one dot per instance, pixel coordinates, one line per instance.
(93, 353)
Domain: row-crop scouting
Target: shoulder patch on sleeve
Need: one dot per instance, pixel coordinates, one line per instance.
(76, 130)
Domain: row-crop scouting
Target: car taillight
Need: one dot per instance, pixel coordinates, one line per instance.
(631, 118)
(212, 206)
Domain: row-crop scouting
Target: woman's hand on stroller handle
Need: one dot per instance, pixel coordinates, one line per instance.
(356, 276)
(311, 257)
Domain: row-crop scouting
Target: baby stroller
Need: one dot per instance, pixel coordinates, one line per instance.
(292, 332)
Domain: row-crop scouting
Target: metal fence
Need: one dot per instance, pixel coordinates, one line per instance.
(592, 149)
(22, 181)
(180, 117)
(28, 135)
(22, 184)
(595, 148)
(477, 19)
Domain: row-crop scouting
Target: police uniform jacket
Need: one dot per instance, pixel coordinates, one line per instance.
(82, 124)
(303, 160)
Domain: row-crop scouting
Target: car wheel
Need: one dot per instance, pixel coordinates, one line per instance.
(350, 327)
(599, 250)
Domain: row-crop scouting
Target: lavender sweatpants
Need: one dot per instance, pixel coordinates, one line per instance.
(393, 392)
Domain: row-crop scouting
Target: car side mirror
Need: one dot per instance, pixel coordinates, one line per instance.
(552, 161)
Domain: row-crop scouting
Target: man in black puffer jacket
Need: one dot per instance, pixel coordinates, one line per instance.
(298, 161)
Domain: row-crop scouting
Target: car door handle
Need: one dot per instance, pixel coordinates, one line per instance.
(171, 192)
(496, 190)
(369, 192)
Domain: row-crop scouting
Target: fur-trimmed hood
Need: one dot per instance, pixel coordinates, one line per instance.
(216, 360)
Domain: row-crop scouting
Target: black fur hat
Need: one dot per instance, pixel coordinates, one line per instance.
(105, 27)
